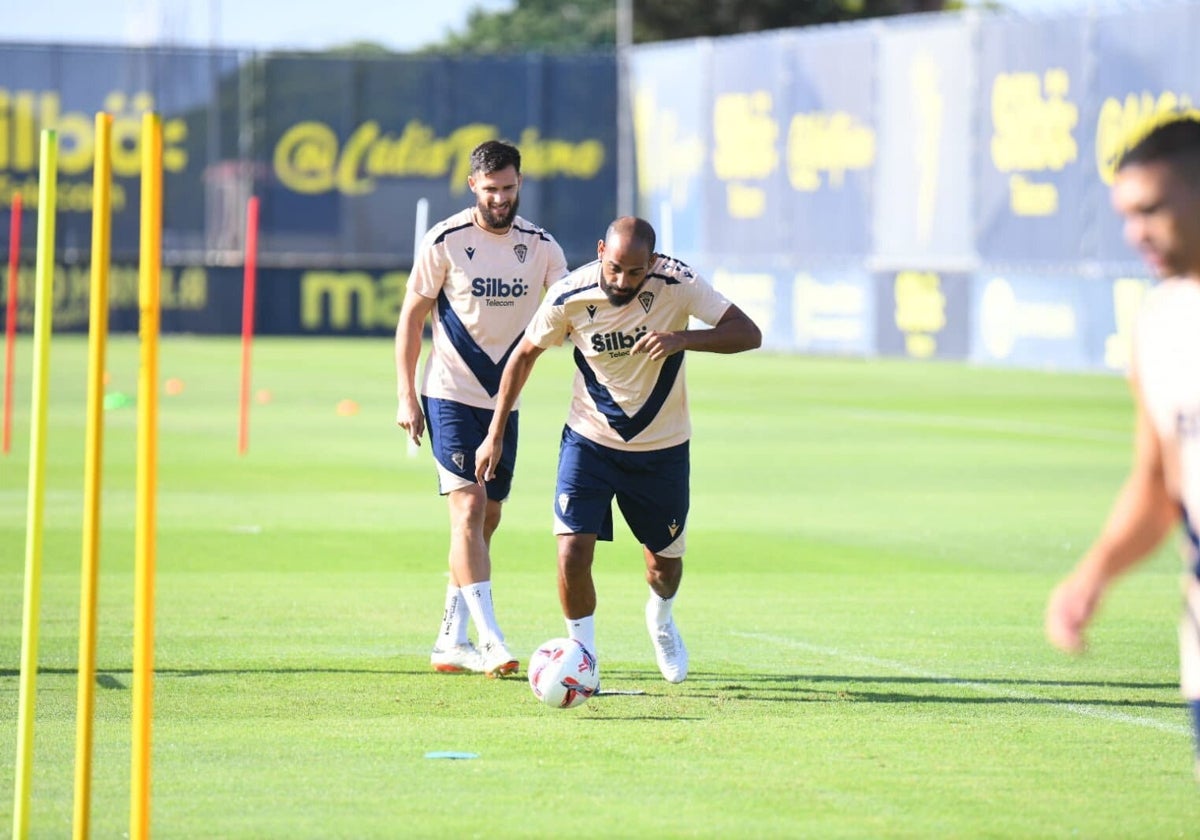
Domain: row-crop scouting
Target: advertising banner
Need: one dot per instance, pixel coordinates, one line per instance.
(761, 295)
(354, 145)
(1034, 321)
(833, 312)
(671, 130)
(1145, 65)
(63, 88)
(1112, 306)
(747, 186)
(922, 195)
(339, 150)
(1033, 178)
(829, 143)
(922, 314)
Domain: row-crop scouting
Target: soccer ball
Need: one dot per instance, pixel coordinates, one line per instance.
(563, 674)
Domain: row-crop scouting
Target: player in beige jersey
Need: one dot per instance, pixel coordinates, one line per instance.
(627, 429)
(480, 273)
(1157, 191)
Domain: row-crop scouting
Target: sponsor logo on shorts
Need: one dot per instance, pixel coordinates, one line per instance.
(673, 528)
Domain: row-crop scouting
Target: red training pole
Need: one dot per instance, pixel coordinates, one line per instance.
(249, 279)
(10, 330)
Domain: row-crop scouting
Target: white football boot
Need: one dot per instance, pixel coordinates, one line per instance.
(497, 661)
(669, 649)
(457, 659)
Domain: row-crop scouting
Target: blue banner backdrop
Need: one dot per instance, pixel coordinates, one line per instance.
(829, 144)
(922, 185)
(1144, 64)
(671, 129)
(1033, 177)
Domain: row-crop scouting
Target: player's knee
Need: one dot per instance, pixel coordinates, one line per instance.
(468, 509)
(575, 557)
(663, 573)
(491, 520)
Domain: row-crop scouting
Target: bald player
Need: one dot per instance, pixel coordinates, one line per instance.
(627, 429)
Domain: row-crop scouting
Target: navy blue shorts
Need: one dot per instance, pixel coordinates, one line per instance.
(651, 489)
(455, 432)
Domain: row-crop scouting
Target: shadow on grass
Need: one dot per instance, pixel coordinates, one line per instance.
(858, 688)
(774, 688)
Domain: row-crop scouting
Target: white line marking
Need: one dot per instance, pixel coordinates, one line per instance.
(982, 688)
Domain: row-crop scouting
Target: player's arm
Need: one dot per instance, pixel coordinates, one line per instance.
(1141, 517)
(733, 333)
(512, 380)
(409, 330)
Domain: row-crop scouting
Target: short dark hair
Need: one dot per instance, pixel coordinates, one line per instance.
(494, 155)
(1174, 140)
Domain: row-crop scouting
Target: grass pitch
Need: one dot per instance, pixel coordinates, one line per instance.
(870, 549)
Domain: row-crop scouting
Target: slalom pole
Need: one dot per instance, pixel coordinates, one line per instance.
(93, 458)
(10, 324)
(42, 324)
(149, 276)
(422, 225)
(249, 281)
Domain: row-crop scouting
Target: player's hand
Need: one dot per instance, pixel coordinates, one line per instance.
(659, 345)
(487, 456)
(410, 418)
(1068, 612)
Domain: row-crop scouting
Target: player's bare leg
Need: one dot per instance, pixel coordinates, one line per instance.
(576, 589)
(473, 519)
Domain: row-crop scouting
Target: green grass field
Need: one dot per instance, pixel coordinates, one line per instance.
(870, 549)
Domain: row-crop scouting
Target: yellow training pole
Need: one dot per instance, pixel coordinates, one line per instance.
(93, 459)
(43, 304)
(149, 270)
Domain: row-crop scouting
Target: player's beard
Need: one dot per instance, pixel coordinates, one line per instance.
(619, 298)
(498, 218)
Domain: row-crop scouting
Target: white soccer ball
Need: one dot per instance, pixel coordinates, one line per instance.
(563, 674)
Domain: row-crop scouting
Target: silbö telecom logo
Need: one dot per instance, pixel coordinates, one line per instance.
(617, 343)
(499, 292)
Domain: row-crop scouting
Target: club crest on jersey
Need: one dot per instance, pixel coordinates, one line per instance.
(591, 311)
(646, 299)
(521, 251)
(459, 458)
(470, 253)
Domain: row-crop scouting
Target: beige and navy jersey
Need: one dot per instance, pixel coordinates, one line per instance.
(1166, 363)
(486, 287)
(620, 400)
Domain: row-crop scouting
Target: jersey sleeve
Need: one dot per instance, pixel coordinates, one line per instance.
(556, 265)
(704, 302)
(550, 324)
(429, 274)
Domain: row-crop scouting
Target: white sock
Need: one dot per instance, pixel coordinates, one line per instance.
(479, 603)
(658, 609)
(583, 630)
(454, 619)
